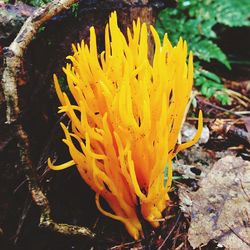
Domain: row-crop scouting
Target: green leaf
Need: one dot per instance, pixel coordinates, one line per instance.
(169, 22)
(210, 75)
(223, 98)
(200, 80)
(210, 92)
(74, 9)
(207, 50)
(207, 28)
(233, 13)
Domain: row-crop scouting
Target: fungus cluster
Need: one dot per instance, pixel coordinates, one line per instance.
(126, 112)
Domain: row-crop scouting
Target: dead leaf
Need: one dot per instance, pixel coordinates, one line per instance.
(220, 209)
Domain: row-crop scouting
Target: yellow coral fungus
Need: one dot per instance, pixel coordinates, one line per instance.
(125, 119)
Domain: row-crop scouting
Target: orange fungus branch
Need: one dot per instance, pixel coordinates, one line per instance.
(125, 119)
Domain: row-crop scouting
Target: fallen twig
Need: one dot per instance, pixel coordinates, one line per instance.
(233, 231)
(125, 244)
(171, 231)
(26, 208)
(243, 100)
(203, 102)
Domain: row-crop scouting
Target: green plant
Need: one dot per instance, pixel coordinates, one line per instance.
(74, 9)
(41, 29)
(36, 3)
(195, 21)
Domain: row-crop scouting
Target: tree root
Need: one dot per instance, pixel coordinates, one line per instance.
(12, 77)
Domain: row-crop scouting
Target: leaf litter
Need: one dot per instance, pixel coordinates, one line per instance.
(220, 209)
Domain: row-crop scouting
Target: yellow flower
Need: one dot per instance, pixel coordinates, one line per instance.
(126, 115)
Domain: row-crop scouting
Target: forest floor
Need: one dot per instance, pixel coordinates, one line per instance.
(216, 170)
(226, 134)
